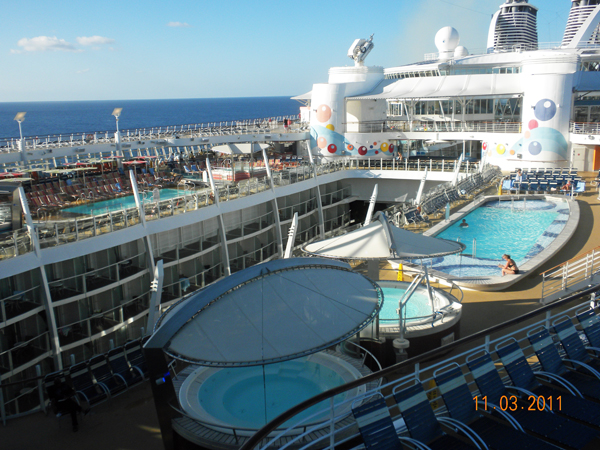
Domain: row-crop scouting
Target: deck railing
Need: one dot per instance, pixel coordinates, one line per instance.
(585, 128)
(570, 275)
(382, 126)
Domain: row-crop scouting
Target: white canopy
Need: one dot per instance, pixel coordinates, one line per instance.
(448, 86)
(240, 149)
(271, 312)
(381, 240)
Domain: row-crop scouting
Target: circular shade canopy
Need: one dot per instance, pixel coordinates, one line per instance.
(271, 312)
(381, 240)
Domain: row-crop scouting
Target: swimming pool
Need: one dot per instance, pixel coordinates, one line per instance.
(418, 305)
(117, 204)
(247, 397)
(520, 228)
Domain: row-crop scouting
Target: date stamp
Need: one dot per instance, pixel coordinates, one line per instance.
(514, 403)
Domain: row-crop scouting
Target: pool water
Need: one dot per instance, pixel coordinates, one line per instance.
(520, 228)
(117, 204)
(417, 306)
(249, 398)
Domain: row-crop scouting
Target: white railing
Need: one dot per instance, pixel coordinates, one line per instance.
(570, 275)
(585, 128)
(382, 126)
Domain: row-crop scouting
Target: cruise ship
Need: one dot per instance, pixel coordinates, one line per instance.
(78, 283)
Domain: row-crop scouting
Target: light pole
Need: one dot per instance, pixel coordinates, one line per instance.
(116, 112)
(20, 117)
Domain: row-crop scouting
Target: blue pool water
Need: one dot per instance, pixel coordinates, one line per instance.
(246, 398)
(522, 229)
(417, 306)
(117, 204)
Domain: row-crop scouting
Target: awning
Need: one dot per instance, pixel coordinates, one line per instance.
(483, 85)
(306, 96)
(239, 149)
(270, 312)
(381, 240)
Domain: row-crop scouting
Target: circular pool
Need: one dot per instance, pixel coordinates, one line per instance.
(246, 398)
(423, 315)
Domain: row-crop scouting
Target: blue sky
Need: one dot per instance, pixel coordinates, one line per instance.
(76, 50)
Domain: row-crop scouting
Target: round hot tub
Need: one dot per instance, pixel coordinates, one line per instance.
(247, 398)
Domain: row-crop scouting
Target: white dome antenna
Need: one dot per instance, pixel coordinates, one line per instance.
(359, 50)
(446, 41)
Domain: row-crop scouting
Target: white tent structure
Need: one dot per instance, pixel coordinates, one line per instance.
(382, 240)
(240, 149)
(268, 313)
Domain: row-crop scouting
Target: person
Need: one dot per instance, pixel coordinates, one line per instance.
(464, 224)
(510, 267)
(519, 178)
(567, 186)
(64, 401)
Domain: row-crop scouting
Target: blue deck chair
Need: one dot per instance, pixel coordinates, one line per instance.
(424, 426)
(550, 360)
(135, 357)
(120, 366)
(86, 387)
(573, 405)
(376, 426)
(590, 323)
(577, 353)
(545, 424)
(461, 406)
(102, 372)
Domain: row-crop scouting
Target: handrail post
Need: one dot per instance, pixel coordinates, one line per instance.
(38, 373)
(331, 424)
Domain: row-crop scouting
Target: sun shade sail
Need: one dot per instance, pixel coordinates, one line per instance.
(381, 240)
(239, 149)
(271, 312)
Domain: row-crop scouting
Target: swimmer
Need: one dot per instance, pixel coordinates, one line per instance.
(464, 224)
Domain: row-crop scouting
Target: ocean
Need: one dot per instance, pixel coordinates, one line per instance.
(78, 117)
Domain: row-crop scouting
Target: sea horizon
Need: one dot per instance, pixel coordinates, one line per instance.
(94, 116)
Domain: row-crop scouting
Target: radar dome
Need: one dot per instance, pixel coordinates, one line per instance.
(447, 39)
(461, 52)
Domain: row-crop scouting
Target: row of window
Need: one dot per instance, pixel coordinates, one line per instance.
(451, 71)
(504, 108)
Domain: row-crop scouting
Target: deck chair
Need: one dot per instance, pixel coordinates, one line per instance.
(576, 352)
(425, 427)
(103, 374)
(376, 426)
(135, 357)
(86, 387)
(550, 360)
(545, 424)
(461, 406)
(120, 366)
(521, 375)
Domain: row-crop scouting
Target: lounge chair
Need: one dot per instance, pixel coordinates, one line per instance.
(376, 426)
(572, 405)
(425, 427)
(86, 387)
(120, 366)
(577, 353)
(543, 423)
(550, 360)
(135, 357)
(461, 406)
(102, 372)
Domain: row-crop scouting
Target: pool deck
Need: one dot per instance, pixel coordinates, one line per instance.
(500, 283)
(129, 422)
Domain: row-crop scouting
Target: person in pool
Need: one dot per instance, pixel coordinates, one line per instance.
(510, 268)
(464, 224)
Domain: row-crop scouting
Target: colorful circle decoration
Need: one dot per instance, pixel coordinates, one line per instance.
(533, 124)
(545, 109)
(500, 149)
(535, 148)
(362, 151)
(512, 152)
(332, 148)
(376, 152)
(484, 146)
(350, 147)
(322, 142)
(323, 113)
(527, 134)
(330, 127)
(391, 148)
(374, 143)
(384, 147)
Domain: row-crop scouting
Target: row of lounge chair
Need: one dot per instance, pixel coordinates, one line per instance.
(558, 406)
(542, 186)
(103, 376)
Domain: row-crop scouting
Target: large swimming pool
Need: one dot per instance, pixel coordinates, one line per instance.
(520, 228)
(117, 204)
